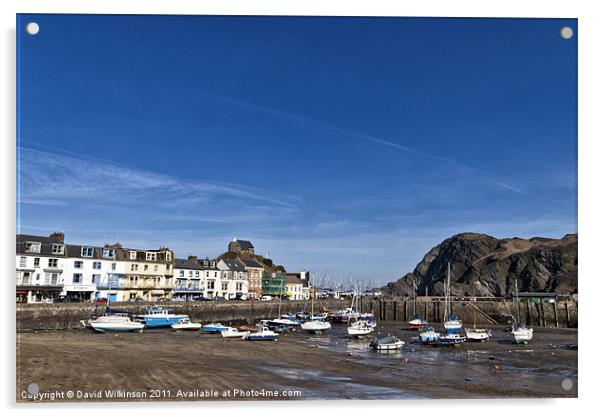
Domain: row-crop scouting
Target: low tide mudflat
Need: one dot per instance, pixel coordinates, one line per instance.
(169, 365)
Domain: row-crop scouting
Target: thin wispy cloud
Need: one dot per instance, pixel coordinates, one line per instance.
(297, 118)
(47, 178)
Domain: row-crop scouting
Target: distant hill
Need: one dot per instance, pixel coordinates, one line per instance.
(485, 266)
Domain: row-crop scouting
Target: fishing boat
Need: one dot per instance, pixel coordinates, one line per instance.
(387, 343)
(213, 327)
(263, 333)
(233, 333)
(429, 335)
(186, 324)
(522, 334)
(155, 317)
(360, 329)
(452, 339)
(113, 323)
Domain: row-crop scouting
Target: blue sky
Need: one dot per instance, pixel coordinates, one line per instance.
(349, 146)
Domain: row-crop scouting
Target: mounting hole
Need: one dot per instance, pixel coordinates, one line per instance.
(32, 28)
(566, 32)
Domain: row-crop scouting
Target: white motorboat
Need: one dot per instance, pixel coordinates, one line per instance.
(233, 332)
(186, 324)
(263, 333)
(119, 323)
(387, 343)
(478, 334)
(360, 328)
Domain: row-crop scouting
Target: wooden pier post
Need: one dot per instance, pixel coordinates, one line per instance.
(543, 313)
(555, 315)
(426, 310)
(405, 310)
(395, 310)
(568, 316)
(528, 316)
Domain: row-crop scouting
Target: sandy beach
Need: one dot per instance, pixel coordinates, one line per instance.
(169, 365)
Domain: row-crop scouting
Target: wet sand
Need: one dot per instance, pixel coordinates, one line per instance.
(164, 365)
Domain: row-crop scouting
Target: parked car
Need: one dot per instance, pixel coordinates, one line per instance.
(219, 298)
(101, 300)
(200, 298)
(266, 298)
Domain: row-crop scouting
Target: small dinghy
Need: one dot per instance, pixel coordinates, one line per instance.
(522, 334)
(233, 333)
(429, 336)
(417, 323)
(452, 339)
(186, 324)
(213, 327)
(263, 333)
(360, 329)
(387, 343)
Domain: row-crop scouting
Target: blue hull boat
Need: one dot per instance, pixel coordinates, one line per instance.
(160, 317)
(213, 328)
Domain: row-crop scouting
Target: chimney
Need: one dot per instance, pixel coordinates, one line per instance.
(192, 258)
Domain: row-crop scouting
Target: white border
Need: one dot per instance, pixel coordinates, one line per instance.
(590, 210)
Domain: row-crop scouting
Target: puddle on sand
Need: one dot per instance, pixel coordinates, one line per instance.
(336, 387)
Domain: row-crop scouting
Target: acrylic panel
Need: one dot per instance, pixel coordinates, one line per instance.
(223, 208)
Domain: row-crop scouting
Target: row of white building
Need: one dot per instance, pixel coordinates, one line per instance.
(48, 270)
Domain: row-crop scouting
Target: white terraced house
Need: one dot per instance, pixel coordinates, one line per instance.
(235, 284)
(40, 265)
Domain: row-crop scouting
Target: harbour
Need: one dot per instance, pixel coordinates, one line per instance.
(319, 366)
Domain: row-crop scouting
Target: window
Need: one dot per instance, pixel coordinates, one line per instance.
(151, 256)
(146, 267)
(57, 249)
(190, 273)
(215, 274)
(77, 278)
(169, 267)
(224, 286)
(96, 279)
(108, 253)
(211, 285)
(239, 286)
(78, 264)
(36, 262)
(33, 247)
(87, 251)
(97, 265)
(134, 267)
(26, 276)
(181, 274)
(156, 268)
(168, 256)
(196, 274)
(23, 262)
(51, 278)
(53, 263)
(133, 254)
(113, 266)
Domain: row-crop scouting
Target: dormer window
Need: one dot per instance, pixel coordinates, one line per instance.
(33, 247)
(133, 254)
(168, 256)
(108, 253)
(87, 251)
(57, 249)
(151, 256)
